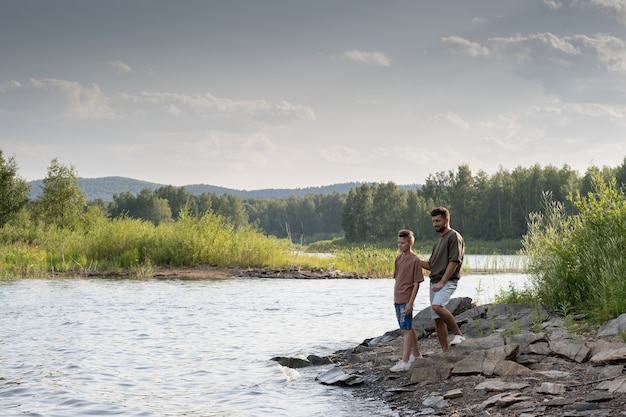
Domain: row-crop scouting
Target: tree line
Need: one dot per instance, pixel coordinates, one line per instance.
(483, 206)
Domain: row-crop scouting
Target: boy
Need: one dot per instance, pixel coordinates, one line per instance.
(408, 276)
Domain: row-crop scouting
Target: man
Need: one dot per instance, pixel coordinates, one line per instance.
(445, 270)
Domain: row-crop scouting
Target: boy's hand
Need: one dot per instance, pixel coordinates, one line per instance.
(438, 286)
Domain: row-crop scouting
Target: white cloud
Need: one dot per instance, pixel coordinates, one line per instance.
(458, 45)
(341, 154)
(529, 47)
(58, 98)
(450, 119)
(205, 103)
(371, 58)
(553, 4)
(611, 50)
(612, 8)
(120, 67)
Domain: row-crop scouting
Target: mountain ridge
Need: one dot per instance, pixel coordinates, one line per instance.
(104, 188)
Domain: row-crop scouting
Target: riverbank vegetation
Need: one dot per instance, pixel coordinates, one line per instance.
(578, 262)
(575, 242)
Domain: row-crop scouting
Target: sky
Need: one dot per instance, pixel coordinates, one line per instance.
(255, 94)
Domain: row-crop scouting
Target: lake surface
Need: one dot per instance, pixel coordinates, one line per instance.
(104, 347)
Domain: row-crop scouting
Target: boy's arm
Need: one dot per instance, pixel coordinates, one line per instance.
(409, 306)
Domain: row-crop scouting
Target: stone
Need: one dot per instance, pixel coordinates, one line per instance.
(292, 362)
(613, 327)
(571, 351)
(540, 348)
(429, 371)
(551, 388)
(617, 385)
(498, 385)
(510, 368)
(609, 356)
(340, 376)
(432, 401)
(452, 394)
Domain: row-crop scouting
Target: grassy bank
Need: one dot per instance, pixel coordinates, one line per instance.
(99, 244)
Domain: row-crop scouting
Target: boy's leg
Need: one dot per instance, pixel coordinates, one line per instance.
(414, 344)
(408, 344)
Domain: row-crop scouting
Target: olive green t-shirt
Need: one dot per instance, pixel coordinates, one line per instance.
(449, 247)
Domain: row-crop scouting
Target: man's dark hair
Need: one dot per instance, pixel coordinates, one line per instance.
(440, 211)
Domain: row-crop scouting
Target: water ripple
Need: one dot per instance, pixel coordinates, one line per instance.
(176, 348)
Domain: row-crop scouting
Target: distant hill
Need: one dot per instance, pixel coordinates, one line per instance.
(104, 188)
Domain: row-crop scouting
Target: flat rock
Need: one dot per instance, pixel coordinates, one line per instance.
(340, 376)
(498, 385)
(609, 356)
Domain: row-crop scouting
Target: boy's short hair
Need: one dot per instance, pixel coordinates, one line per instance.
(440, 211)
(407, 234)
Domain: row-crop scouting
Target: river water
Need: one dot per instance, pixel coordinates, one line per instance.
(143, 348)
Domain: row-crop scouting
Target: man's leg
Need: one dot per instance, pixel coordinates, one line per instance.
(442, 333)
(448, 319)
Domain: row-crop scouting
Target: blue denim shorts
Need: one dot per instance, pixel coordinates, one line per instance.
(405, 321)
(441, 297)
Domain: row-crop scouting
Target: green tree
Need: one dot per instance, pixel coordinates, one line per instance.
(178, 198)
(388, 208)
(62, 202)
(357, 214)
(151, 207)
(13, 189)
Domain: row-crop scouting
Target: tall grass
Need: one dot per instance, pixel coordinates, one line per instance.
(577, 262)
(98, 244)
(31, 249)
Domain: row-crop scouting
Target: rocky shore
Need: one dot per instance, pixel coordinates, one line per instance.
(516, 361)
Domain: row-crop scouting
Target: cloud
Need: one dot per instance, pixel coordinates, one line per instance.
(553, 4)
(450, 119)
(612, 8)
(553, 126)
(564, 65)
(341, 154)
(120, 67)
(206, 104)
(610, 50)
(372, 58)
(457, 46)
(56, 98)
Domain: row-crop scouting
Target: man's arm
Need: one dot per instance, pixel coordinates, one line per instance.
(446, 275)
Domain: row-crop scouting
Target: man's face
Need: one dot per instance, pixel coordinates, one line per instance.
(439, 223)
(404, 244)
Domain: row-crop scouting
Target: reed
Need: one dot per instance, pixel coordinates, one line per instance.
(577, 261)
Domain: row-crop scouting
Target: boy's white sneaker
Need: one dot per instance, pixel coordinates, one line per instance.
(413, 357)
(401, 366)
(457, 339)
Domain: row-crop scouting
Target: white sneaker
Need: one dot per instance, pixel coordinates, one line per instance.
(412, 358)
(401, 366)
(457, 339)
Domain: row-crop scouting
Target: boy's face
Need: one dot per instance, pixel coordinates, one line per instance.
(404, 244)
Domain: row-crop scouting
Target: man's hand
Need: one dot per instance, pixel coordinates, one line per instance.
(438, 286)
